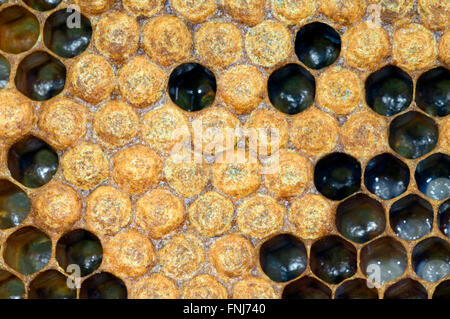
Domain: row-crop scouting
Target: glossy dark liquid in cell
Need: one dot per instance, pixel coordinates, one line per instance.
(333, 259)
(431, 259)
(433, 176)
(42, 5)
(389, 90)
(19, 30)
(32, 162)
(64, 40)
(444, 218)
(317, 45)
(192, 87)
(433, 92)
(291, 89)
(413, 135)
(386, 176)
(337, 176)
(81, 248)
(103, 286)
(27, 250)
(411, 217)
(283, 258)
(442, 291)
(360, 218)
(40, 76)
(14, 205)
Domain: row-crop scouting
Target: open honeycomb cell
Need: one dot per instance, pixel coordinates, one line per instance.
(19, 29)
(14, 205)
(107, 185)
(32, 162)
(27, 250)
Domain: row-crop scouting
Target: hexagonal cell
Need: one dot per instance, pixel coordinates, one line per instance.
(11, 287)
(103, 286)
(433, 176)
(333, 259)
(283, 257)
(411, 217)
(82, 248)
(291, 89)
(5, 71)
(433, 92)
(317, 45)
(386, 176)
(63, 39)
(383, 260)
(40, 76)
(14, 205)
(306, 288)
(43, 5)
(444, 218)
(406, 289)
(431, 259)
(19, 30)
(360, 218)
(442, 291)
(27, 250)
(51, 284)
(413, 135)
(32, 162)
(192, 87)
(356, 289)
(337, 176)
(389, 90)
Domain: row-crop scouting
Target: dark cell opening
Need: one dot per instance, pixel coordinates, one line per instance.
(337, 176)
(333, 259)
(433, 92)
(283, 258)
(444, 218)
(383, 260)
(103, 286)
(14, 205)
(360, 218)
(431, 259)
(411, 217)
(42, 5)
(32, 162)
(79, 247)
(356, 289)
(291, 89)
(386, 176)
(64, 39)
(317, 45)
(413, 135)
(389, 90)
(433, 176)
(51, 284)
(406, 289)
(442, 291)
(19, 30)
(11, 287)
(27, 250)
(5, 71)
(40, 76)
(306, 288)
(192, 87)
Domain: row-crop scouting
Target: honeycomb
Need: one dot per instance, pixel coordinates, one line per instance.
(94, 203)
